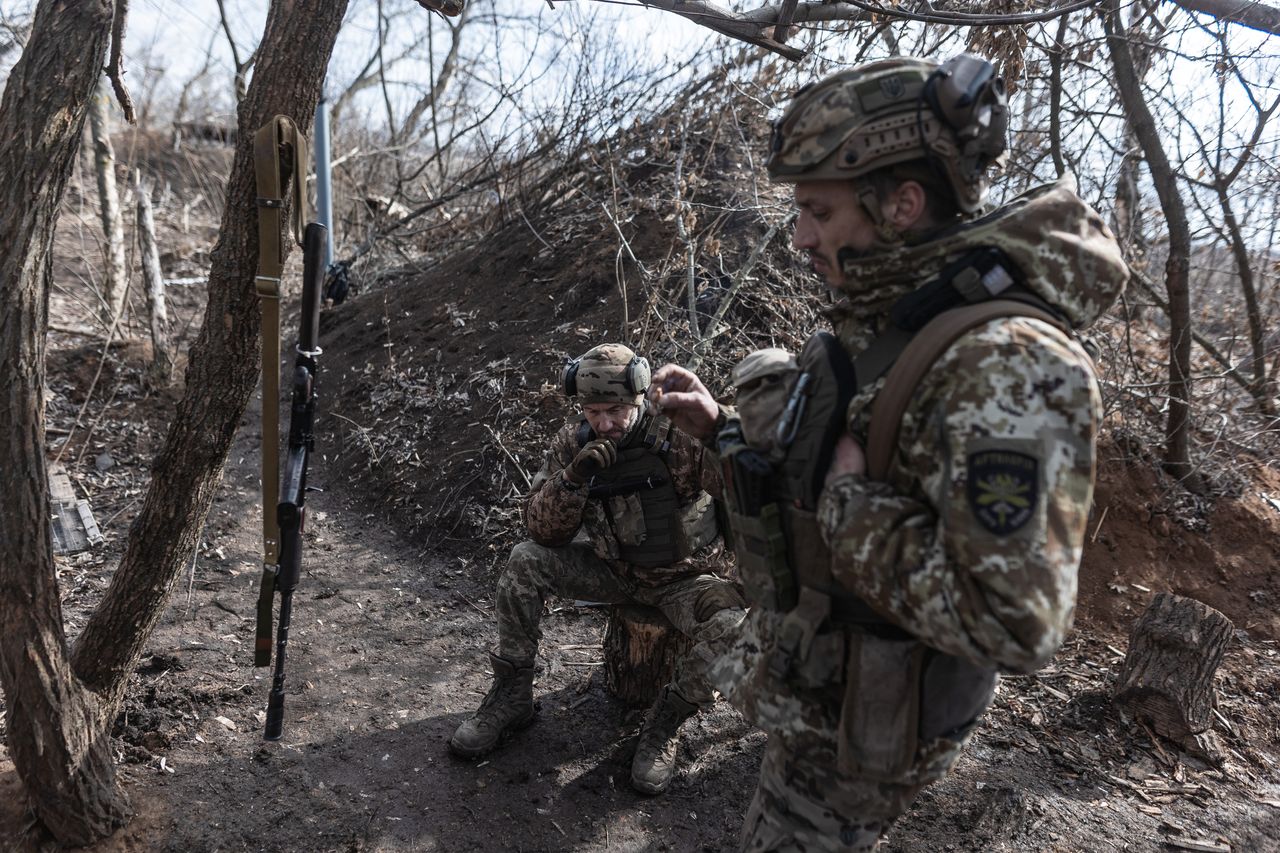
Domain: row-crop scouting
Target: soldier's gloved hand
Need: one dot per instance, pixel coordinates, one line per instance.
(593, 458)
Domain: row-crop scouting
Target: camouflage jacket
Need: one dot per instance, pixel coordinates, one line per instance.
(974, 542)
(554, 511)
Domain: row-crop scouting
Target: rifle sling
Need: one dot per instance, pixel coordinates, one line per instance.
(915, 359)
(276, 143)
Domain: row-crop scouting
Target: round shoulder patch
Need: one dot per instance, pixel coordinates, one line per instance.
(1003, 486)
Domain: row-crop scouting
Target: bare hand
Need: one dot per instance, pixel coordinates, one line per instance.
(849, 459)
(681, 396)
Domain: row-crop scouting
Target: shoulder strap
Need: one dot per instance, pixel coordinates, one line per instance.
(658, 437)
(915, 360)
(277, 143)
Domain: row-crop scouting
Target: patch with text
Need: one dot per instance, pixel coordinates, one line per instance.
(1003, 487)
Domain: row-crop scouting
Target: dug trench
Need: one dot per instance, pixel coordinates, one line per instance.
(386, 657)
(437, 396)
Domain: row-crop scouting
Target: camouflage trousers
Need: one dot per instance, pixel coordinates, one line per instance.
(705, 607)
(802, 805)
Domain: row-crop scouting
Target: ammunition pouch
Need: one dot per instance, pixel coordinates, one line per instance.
(900, 695)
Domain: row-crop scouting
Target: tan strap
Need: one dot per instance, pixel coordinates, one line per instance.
(919, 355)
(280, 156)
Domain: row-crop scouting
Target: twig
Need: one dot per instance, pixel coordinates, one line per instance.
(364, 433)
(745, 270)
(106, 347)
(115, 70)
(683, 232)
(528, 483)
(473, 604)
(1094, 537)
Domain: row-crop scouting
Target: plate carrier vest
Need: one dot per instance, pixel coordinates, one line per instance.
(772, 503)
(671, 532)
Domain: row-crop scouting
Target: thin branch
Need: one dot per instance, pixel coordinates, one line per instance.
(1246, 13)
(115, 68)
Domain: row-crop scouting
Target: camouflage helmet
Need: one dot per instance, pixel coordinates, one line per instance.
(608, 373)
(954, 116)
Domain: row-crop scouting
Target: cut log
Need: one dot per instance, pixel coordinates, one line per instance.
(1167, 677)
(641, 647)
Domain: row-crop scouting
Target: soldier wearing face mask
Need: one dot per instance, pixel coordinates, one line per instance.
(638, 489)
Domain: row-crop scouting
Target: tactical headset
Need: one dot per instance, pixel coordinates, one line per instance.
(635, 378)
(968, 96)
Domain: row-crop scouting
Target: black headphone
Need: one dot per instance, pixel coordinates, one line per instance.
(635, 378)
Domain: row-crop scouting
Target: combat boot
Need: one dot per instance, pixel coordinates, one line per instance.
(507, 708)
(655, 760)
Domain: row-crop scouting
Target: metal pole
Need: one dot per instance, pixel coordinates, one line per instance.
(324, 199)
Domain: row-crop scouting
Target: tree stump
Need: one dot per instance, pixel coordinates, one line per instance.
(640, 651)
(1167, 679)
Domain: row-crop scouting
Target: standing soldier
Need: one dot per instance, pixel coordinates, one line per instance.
(635, 484)
(895, 563)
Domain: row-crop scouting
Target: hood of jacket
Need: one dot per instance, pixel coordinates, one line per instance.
(1065, 252)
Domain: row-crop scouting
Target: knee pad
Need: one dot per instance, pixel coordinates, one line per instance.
(713, 599)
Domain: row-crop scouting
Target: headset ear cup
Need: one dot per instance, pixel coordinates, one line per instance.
(569, 378)
(638, 375)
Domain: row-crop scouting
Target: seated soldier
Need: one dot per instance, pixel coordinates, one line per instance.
(637, 487)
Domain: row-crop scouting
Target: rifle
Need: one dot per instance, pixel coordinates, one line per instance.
(291, 511)
(626, 487)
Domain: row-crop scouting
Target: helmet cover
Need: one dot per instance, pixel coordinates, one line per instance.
(954, 116)
(608, 373)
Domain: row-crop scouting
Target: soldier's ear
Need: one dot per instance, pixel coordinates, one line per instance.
(906, 206)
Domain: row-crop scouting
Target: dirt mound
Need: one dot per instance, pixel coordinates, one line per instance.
(443, 382)
(1147, 535)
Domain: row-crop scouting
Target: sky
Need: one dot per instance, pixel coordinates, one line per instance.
(175, 35)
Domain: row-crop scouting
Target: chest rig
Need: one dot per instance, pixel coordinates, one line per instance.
(640, 501)
(773, 495)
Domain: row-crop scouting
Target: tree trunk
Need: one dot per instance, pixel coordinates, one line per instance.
(1167, 678)
(115, 277)
(1177, 458)
(58, 712)
(55, 738)
(160, 371)
(1259, 387)
(223, 363)
(640, 651)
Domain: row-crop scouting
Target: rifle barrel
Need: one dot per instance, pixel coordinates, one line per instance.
(313, 245)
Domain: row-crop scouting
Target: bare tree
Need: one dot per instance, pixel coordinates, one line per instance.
(57, 745)
(115, 278)
(160, 371)
(60, 704)
(1177, 454)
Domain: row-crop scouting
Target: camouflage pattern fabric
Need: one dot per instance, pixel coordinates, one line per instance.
(888, 113)
(611, 373)
(1063, 248)
(556, 511)
(704, 607)
(801, 806)
(974, 544)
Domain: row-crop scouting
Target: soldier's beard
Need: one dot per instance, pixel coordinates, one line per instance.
(619, 433)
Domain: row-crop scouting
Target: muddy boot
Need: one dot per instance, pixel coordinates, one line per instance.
(507, 708)
(655, 761)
